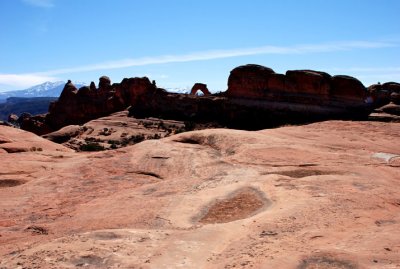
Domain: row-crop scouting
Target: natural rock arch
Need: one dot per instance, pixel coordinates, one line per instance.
(200, 86)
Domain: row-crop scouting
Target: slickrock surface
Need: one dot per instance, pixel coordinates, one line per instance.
(324, 195)
(114, 131)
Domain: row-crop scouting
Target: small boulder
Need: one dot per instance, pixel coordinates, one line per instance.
(64, 134)
(392, 109)
(12, 118)
(395, 98)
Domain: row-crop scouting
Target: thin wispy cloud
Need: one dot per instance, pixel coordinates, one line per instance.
(10, 79)
(221, 54)
(369, 75)
(40, 3)
(24, 80)
(365, 69)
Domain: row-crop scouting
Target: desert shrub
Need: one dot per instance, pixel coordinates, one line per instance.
(36, 149)
(147, 124)
(137, 138)
(189, 125)
(155, 136)
(106, 132)
(161, 125)
(180, 130)
(91, 146)
(133, 139)
(92, 139)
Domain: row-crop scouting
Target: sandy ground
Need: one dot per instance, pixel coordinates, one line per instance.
(324, 195)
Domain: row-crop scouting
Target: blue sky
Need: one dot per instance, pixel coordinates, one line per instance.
(180, 42)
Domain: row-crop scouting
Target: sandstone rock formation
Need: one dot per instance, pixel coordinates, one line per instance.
(301, 86)
(79, 106)
(115, 131)
(199, 87)
(104, 83)
(256, 98)
(259, 98)
(323, 195)
(35, 124)
(382, 94)
(391, 108)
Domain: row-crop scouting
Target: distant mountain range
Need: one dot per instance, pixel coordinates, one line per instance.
(54, 89)
(178, 90)
(47, 89)
(18, 105)
(36, 99)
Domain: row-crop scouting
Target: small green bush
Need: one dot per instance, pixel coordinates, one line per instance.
(91, 146)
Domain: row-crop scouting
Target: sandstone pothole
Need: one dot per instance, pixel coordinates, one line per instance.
(240, 204)
(90, 260)
(300, 173)
(105, 235)
(326, 263)
(6, 183)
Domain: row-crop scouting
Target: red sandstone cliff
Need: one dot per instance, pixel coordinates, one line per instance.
(256, 98)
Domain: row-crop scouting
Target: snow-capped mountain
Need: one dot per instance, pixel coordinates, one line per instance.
(47, 89)
(178, 90)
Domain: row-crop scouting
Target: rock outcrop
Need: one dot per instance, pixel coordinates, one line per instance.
(298, 86)
(256, 98)
(383, 94)
(200, 87)
(35, 124)
(79, 106)
(104, 83)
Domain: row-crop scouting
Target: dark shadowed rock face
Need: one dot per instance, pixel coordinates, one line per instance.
(104, 83)
(68, 91)
(35, 124)
(383, 94)
(394, 89)
(391, 108)
(378, 95)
